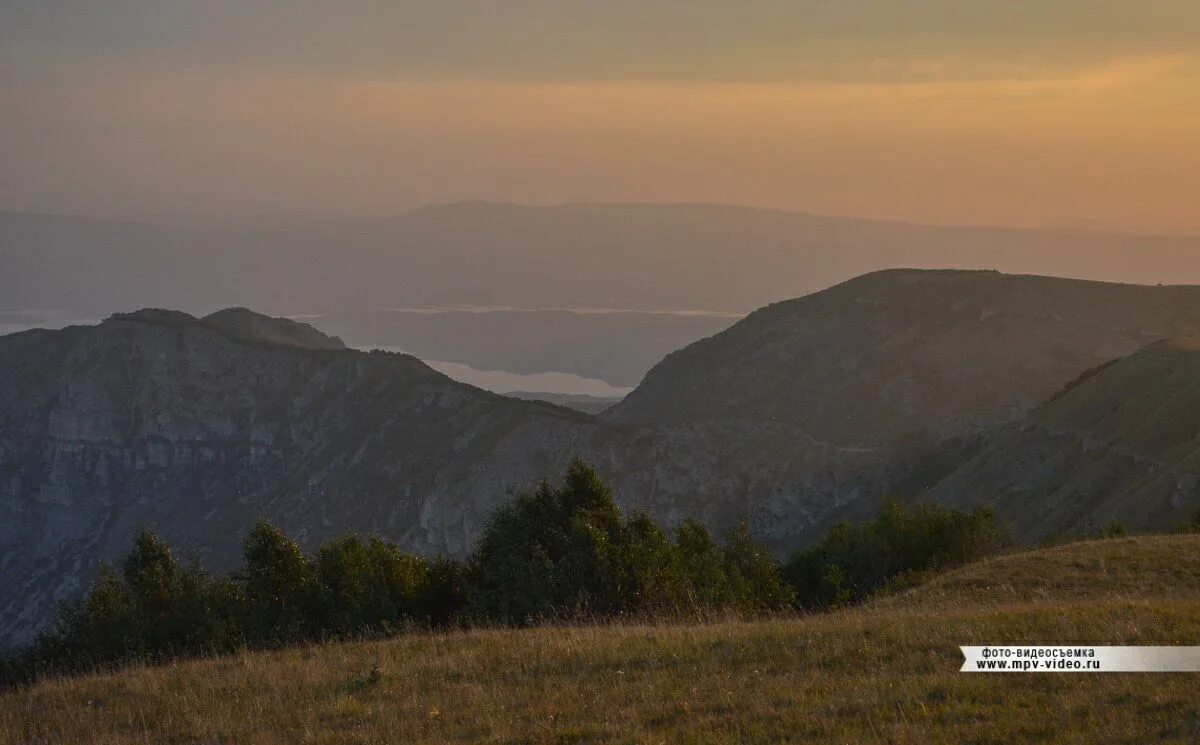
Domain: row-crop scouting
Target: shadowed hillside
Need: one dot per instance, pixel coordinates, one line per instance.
(1122, 443)
(888, 382)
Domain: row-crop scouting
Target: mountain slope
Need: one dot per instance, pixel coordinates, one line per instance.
(1122, 443)
(886, 383)
(928, 349)
(156, 419)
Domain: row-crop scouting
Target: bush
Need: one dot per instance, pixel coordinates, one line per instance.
(855, 561)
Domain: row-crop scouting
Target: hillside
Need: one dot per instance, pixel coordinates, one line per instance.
(1122, 443)
(886, 383)
(886, 672)
(1164, 566)
(194, 428)
(935, 349)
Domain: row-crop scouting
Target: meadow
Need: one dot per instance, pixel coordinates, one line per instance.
(885, 671)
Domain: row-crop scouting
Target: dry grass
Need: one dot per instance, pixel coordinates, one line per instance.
(1132, 568)
(881, 673)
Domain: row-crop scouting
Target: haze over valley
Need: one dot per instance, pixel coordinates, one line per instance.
(599, 292)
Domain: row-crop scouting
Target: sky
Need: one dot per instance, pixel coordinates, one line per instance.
(1060, 113)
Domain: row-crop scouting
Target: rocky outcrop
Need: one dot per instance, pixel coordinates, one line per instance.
(241, 323)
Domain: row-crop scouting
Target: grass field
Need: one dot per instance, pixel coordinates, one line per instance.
(884, 672)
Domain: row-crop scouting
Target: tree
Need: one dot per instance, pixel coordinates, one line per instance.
(368, 587)
(104, 627)
(276, 581)
(648, 580)
(700, 564)
(551, 553)
(159, 590)
(443, 597)
(754, 579)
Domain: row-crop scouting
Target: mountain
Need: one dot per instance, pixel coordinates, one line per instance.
(242, 323)
(932, 349)
(1121, 443)
(195, 427)
(806, 412)
(600, 256)
(887, 382)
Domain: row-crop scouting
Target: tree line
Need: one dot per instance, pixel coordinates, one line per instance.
(554, 554)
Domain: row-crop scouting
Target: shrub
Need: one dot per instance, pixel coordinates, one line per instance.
(856, 560)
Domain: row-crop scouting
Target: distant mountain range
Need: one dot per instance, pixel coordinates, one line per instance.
(621, 256)
(938, 383)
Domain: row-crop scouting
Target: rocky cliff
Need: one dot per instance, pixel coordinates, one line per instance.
(194, 429)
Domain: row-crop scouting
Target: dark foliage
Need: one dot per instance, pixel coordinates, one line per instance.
(554, 554)
(855, 561)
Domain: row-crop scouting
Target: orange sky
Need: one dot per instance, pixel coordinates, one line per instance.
(1095, 140)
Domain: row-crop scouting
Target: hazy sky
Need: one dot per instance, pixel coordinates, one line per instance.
(1066, 112)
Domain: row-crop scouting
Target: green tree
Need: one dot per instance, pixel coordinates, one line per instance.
(104, 627)
(276, 581)
(648, 579)
(854, 561)
(551, 553)
(442, 599)
(370, 587)
(700, 564)
(754, 578)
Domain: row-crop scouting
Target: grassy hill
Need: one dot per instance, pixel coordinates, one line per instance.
(884, 672)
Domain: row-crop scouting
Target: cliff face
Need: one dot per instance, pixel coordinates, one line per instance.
(161, 421)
